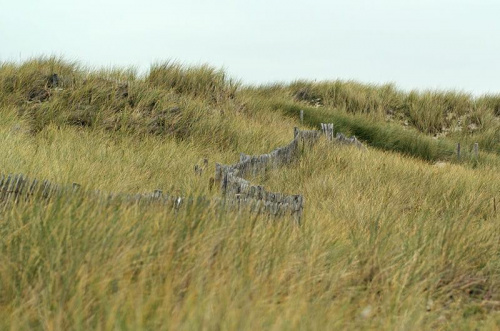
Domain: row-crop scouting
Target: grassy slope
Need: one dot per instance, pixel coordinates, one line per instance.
(390, 240)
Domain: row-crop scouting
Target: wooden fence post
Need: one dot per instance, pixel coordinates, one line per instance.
(301, 116)
(458, 151)
(330, 131)
(475, 150)
(327, 129)
(157, 194)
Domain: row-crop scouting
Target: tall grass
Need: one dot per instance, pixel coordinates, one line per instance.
(201, 81)
(389, 240)
(431, 112)
(387, 137)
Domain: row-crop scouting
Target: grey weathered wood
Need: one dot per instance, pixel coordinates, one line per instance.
(15, 188)
(20, 188)
(45, 189)
(330, 131)
(198, 170)
(475, 150)
(302, 116)
(33, 188)
(157, 194)
(12, 191)
(327, 129)
(340, 138)
(240, 192)
(5, 188)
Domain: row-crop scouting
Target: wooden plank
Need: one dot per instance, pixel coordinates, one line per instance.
(20, 188)
(157, 194)
(12, 187)
(330, 131)
(33, 187)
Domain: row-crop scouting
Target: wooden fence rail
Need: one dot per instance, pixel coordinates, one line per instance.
(18, 187)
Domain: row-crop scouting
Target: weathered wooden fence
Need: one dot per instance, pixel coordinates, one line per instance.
(236, 188)
(474, 154)
(237, 191)
(18, 187)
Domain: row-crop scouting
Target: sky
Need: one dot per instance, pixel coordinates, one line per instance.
(415, 44)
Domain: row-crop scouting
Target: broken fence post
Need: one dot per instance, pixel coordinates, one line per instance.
(327, 129)
(330, 131)
(475, 150)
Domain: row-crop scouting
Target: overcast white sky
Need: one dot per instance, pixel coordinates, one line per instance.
(413, 43)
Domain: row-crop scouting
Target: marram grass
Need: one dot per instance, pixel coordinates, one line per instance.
(390, 239)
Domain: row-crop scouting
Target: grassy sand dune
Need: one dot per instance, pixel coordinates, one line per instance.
(399, 236)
